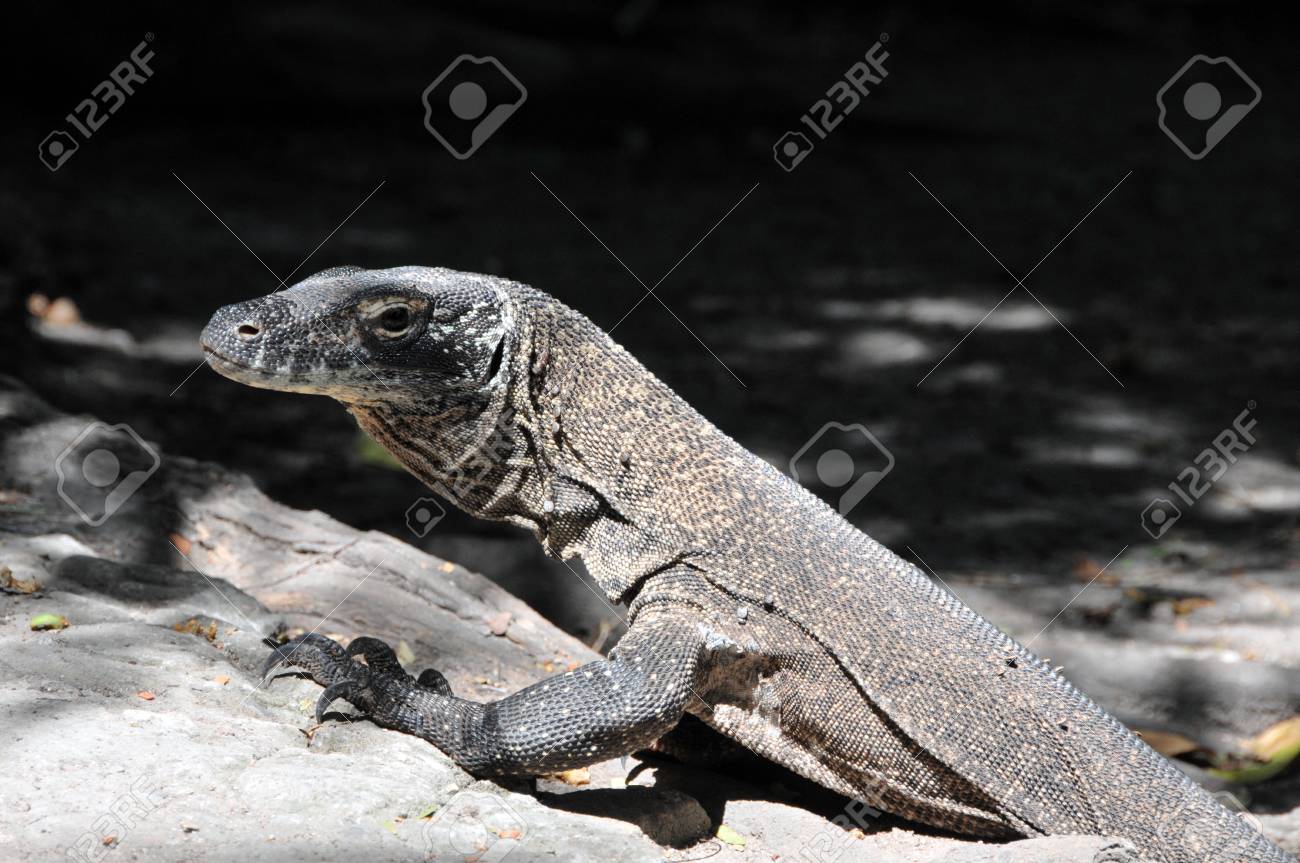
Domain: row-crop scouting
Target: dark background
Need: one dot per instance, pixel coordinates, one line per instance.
(830, 291)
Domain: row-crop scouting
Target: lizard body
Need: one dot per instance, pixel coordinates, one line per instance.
(753, 605)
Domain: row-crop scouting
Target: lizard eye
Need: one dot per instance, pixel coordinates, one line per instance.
(395, 320)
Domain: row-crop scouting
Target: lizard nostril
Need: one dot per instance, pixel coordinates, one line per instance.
(248, 332)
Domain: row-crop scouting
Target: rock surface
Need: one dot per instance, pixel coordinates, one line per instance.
(140, 731)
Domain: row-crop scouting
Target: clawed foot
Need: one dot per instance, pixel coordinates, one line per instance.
(378, 687)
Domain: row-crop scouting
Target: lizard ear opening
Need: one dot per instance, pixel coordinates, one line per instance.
(498, 357)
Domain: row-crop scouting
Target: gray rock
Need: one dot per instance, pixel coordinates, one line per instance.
(140, 730)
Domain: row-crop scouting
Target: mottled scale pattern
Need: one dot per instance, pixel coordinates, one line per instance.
(754, 605)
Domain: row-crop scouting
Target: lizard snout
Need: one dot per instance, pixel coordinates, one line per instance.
(233, 339)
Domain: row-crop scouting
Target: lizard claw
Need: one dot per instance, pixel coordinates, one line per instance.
(343, 689)
(378, 686)
(323, 659)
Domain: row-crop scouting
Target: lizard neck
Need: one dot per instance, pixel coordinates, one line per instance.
(478, 450)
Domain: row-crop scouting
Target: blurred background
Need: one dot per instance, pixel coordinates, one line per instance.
(1025, 438)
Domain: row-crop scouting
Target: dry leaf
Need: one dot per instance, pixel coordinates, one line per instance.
(1188, 604)
(193, 627)
(1167, 743)
(578, 776)
(8, 582)
(499, 623)
(1277, 740)
(182, 544)
(145, 695)
(405, 655)
(223, 679)
(1088, 569)
(509, 833)
(60, 312)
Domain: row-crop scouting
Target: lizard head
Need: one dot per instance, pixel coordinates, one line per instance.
(408, 334)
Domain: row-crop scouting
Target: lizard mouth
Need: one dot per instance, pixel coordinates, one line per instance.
(317, 382)
(241, 372)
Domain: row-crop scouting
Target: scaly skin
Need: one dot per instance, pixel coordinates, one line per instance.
(753, 605)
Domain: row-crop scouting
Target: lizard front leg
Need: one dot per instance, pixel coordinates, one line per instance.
(601, 710)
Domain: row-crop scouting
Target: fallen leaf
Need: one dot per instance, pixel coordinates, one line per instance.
(428, 811)
(1085, 568)
(1282, 739)
(48, 621)
(110, 839)
(1188, 604)
(223, 679)
(447, 566)
(1167, 743)
(405, 655)
(60, 312)
(499, 623)
(577, 776)
(145, 695)
(509, 833)
(858, 833)
(194, 627)
(731, 837)
(182, 544)
(1268, 754)
(8, 582)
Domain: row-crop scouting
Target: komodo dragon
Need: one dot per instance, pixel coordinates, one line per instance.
(752, 604)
